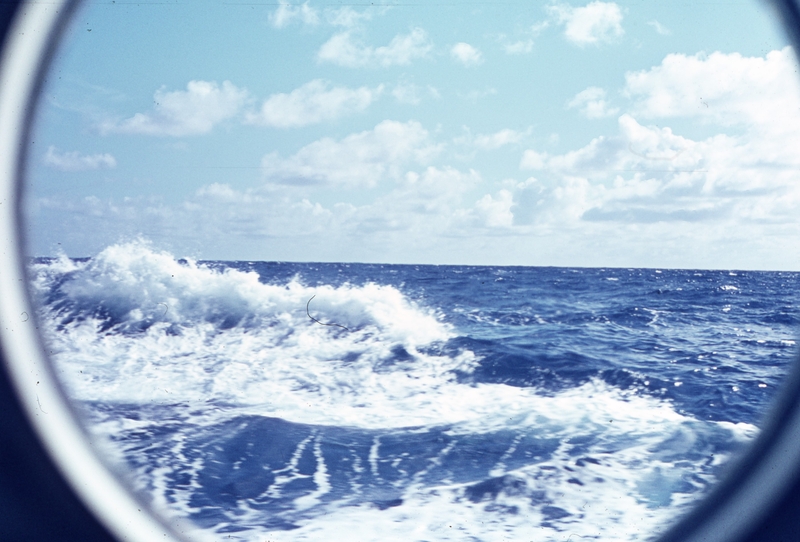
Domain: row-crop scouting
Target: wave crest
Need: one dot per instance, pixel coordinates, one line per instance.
(128, 288)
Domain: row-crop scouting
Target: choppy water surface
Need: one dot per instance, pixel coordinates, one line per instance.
(290, 401)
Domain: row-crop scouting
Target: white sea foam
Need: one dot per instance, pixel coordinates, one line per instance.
(288, 366)
(634, 486)
(136, 326)
(185, 332)
(140, 287)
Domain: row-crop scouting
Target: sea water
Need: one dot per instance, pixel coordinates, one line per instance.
(325, 401)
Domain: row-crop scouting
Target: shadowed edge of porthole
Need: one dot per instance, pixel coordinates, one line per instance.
(50, 489)
(758, 497)
(38, 503)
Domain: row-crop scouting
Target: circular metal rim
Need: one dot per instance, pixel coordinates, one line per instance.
(754, 485)
(28, 48)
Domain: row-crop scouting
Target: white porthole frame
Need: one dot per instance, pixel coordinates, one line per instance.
(755, 484)
(28, 46)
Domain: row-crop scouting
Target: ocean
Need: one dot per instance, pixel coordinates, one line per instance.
(274, 401)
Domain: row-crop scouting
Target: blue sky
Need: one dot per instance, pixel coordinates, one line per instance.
(636, 134)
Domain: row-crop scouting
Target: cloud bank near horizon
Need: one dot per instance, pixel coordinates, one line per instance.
(389, 185)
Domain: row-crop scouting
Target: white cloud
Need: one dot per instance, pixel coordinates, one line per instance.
(496, 212)
(419, 203)
(435, 192)
(423, 206)
(727, 89)
(592, 103)
(657, 145)
(525, 44)
(635, 148)
(466, 54)
(532, 159)
(242, 215)
(745, 176)
(361, 159)
(537, 28)
(226, 222)
(519, 47)
(648, 174)
(224, 192)
(498, 139)
(492, 141)
(697, 200)
(194, 111)
(617, 197)
(409, 93)
(343, 50)
(474, 95)
(286, 13)
(592, 24)
(434, 183)
(347, 17)
(314, 102)
(660, 28)
(75, 161)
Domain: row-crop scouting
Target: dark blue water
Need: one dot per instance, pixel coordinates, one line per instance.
(302, 401)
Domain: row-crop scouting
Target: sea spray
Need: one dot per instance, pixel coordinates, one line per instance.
(444, 403)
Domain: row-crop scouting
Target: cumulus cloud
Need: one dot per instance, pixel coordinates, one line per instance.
(744, 175)
(532, 159)
(423, 205)
(494, 140)
(519, 47)
(498, 139)
(726, 89)
(342, 49)
(592, 24)
(286, 13)
(409, 93)
(592, 103)
(495, 212)
(755, 103)
(613, 196)
(422, 200)
(466, 54)
(648, 174)
(525, 44)
(75, 161)
(312, 103)
(242, 215)
(193, 111)
(225, 193)
(347, 17)
(634, 148)
(360, 159)
(660, 28)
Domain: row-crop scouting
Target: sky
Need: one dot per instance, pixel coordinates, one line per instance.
(600, 134)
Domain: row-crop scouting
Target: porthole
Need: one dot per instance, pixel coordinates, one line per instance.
(454, 361)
